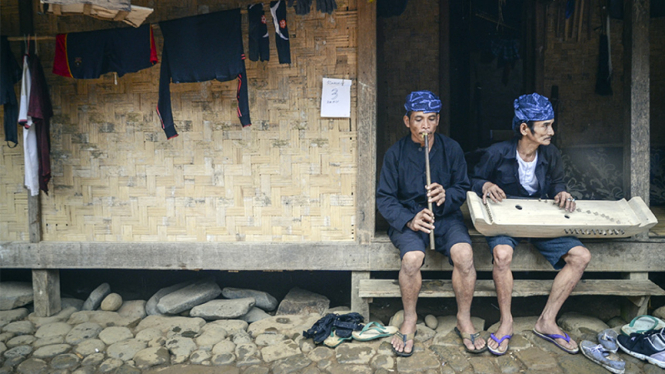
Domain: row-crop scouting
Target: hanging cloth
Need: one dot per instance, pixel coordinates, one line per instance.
(604, 74)
(278, 11)
(40, 111)
(10, 73)
(30, 157)
(259, 46)
(88, 55)
(198, 49)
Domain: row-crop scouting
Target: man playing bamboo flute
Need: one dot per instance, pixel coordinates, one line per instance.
(529, 166)
(402, 198)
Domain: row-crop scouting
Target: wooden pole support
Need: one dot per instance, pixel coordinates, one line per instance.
(358, 304)
(46, 288)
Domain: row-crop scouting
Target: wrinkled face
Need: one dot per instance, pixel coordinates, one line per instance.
(419, 123)
(542, 132)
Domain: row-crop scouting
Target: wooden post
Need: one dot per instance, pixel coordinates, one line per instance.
(444, 66)
(359, 304)
(366, 138)
(636, 161)
(45, 283)
(635, 306)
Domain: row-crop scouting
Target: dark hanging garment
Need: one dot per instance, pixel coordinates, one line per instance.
(10, 74)
(259, 46)
(88, 55)
(278, 11)
(199, 49)
(41, 111)
(604, 75)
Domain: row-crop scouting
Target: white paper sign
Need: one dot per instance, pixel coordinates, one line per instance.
(336, 98)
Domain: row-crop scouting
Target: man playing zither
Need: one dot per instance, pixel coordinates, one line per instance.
(530, 166)
(402, 198)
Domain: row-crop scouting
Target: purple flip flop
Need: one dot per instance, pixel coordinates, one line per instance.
(551, 338)
(497, 352)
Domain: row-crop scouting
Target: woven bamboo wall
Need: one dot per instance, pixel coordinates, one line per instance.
(288, 177)
(585, 117)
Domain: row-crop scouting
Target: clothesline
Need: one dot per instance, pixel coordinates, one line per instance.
(47, 37)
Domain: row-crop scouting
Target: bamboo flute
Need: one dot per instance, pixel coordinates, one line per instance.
(429, 181)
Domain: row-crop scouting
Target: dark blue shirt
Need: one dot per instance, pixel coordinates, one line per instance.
(401, 192)
(499, 166)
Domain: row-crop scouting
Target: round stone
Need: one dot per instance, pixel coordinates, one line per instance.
(115, 334)
(53, 329)
(48, 341)
(65, 361)
(112, 302)
(223, 359)
(197, 357)
(149, 334)
(20, 340)
(431, 321)
(33, 366)
(89, 347)
(93, 360)
(19, 328)
(125, 350)
(84, 331)
(151, 357)
(110, 365)
(51, 350)
(20, 351)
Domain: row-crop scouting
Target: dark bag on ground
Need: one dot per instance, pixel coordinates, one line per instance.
(343, 325)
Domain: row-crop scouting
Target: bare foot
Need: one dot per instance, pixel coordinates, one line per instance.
(505, 329)
(553, 329)
(467, 328)
(399, 345)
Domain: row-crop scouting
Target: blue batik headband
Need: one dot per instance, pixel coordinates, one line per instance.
(422, 101)
(532, 107)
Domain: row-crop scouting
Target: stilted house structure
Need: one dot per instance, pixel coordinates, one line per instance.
(295, 191)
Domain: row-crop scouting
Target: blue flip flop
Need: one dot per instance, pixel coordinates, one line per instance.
(497, 352)
(552, 338)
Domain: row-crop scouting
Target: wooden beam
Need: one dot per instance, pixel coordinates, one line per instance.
(366, 125)
(636, 158)
(521, 288)
(606, 256)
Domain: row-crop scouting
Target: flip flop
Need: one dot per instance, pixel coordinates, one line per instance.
(642, 324)
(374, 330)
(405, 338)
(552, 338)
(471, 337)
(497, 352)
(333, 340)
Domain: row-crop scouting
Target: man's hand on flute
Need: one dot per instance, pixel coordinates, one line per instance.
(436, 194)
(423, 221)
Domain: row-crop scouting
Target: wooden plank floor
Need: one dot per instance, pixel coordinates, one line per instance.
(369, 288)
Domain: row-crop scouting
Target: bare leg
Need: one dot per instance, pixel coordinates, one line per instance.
(410, 281)
(577, 260)
(503, 281)
(464, 283)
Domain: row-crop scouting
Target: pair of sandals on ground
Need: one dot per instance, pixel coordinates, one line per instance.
(404, 338)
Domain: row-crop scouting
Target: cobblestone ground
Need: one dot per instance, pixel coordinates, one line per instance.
(87, 342)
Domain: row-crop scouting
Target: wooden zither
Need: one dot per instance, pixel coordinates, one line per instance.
(541, 218)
